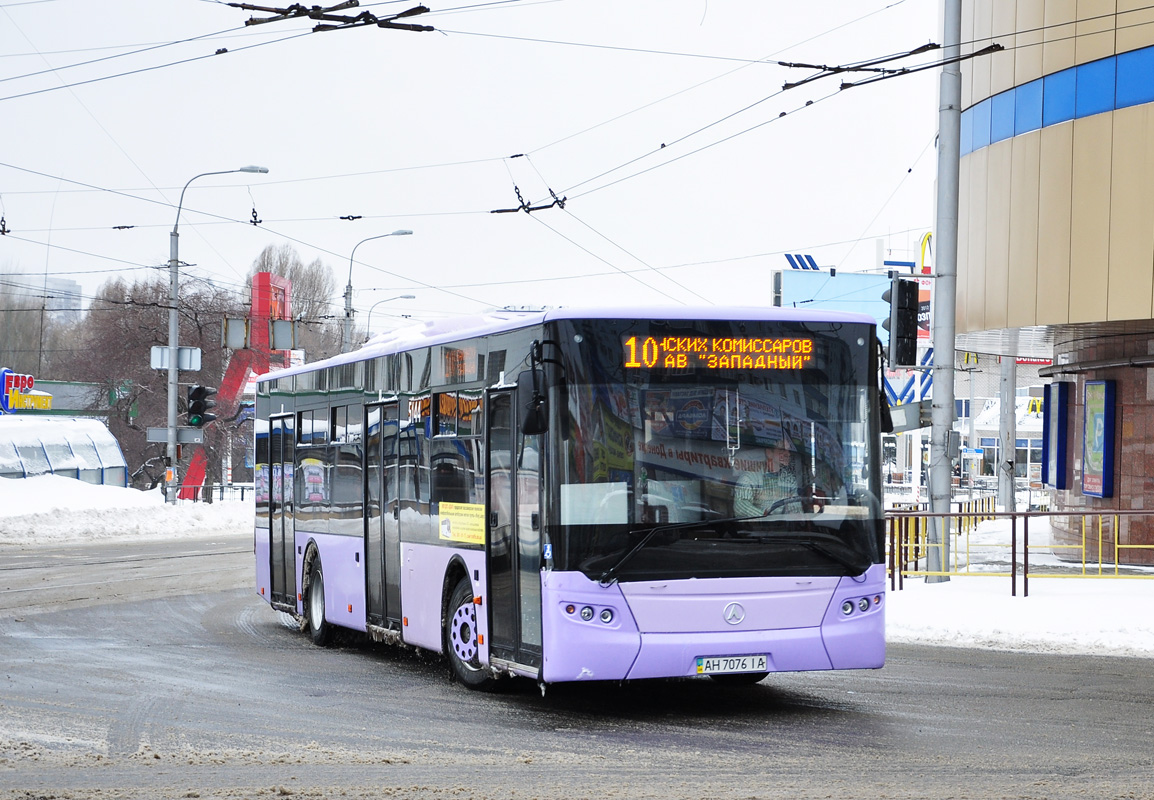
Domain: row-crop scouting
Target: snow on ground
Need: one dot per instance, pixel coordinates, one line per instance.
(1061, 615)
(1068, 614)
(1077, 615)
(49, 509)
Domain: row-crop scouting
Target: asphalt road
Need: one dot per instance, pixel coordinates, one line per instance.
(153, 671)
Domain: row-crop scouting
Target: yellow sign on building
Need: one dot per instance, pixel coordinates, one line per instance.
(37, 401)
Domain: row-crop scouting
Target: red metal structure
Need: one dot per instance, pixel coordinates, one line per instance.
(271, 300)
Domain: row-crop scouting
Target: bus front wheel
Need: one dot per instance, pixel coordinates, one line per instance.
(461, 645)
(319, 630)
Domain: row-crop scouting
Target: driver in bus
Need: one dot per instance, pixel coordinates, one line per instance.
(781, 479)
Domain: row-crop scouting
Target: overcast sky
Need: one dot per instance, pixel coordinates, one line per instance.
(654, 118)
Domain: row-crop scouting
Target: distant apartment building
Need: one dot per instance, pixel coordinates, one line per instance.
(60, 296)
(63, 297)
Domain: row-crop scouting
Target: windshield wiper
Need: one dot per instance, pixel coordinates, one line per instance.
(818, 547)
(607, 576)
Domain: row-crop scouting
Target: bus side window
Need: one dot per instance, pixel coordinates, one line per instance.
(453, 472)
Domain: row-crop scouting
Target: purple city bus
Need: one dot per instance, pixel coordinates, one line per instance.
(585, 494)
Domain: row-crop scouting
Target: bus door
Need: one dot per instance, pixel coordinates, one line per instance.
(513, 540)
(282, 570)
(382, 540)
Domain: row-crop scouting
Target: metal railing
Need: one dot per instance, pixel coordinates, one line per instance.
(980, 547)
(215, 492)
(1029, 495)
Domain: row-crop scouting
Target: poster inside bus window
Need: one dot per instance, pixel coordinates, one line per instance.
(1098, 439)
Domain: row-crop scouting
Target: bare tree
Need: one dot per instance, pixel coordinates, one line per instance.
(115, 340)
(313, 289)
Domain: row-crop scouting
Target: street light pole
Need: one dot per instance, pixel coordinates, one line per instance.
(170, 476)
(369, 316)
(945, 292)
(347, 332)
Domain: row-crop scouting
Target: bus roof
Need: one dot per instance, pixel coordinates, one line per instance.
(450, 329)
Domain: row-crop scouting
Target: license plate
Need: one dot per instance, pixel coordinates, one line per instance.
(720, 665)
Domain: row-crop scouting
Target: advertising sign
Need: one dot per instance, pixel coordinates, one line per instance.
(1057, 398)
(17, 393)
(1098, 439)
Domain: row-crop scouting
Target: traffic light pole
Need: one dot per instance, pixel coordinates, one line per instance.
(945, 290)
(170, 472)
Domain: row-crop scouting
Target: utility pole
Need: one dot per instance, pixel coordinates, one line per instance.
(347, 328)
(1008, 426)
(172, 477)
(945, 289)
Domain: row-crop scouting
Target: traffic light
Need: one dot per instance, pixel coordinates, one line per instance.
(199, 403)
(903, 322)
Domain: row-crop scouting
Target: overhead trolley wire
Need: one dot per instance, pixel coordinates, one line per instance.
(149, 48)
(282, 182)
(704, 147)
(605, 261)
(149, 69)
(619, 167)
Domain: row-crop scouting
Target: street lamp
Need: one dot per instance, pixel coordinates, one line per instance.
(369, 316)
(347, 334)
(174, 330)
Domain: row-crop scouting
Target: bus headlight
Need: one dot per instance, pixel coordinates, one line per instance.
(587, 613)
(863, 604)
(847, 607)
(606, 615)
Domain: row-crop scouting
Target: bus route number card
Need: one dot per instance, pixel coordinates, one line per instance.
(720, 665)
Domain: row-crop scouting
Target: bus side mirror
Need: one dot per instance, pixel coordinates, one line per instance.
(532, 402)
(887, 418)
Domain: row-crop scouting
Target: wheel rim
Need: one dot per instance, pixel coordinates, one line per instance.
(317, 601)
(463, 635)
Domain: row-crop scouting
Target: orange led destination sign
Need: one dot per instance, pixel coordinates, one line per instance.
(717, 352)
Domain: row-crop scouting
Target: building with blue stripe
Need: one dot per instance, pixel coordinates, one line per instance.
(1056, 228)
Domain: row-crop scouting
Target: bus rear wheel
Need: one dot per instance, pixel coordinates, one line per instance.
(319, 630)
(461, 645)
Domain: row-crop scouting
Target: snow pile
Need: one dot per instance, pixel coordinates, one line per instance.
(50, 509)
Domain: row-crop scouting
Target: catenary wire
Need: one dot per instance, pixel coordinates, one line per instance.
(150, 69)
(654, 167)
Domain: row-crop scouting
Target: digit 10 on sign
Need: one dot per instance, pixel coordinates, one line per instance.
(649, 354)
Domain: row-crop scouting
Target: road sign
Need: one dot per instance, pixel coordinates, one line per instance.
(187, 358)
(183, 435)
(910, 416)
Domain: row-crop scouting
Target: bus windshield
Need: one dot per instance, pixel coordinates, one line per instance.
(716, 449)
